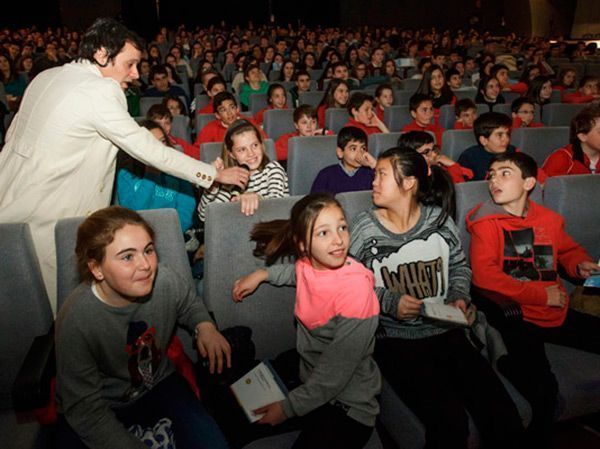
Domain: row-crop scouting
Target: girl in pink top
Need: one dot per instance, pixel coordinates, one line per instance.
(337, 313)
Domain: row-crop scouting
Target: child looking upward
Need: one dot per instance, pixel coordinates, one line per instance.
(516, 249)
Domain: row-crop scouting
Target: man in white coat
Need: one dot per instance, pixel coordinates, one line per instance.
(60, 152)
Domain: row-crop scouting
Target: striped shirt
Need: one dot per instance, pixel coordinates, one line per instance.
(270, 182)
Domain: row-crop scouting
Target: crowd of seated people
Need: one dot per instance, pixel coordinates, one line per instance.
(216, 72)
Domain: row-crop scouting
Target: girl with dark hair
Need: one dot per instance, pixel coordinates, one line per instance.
(276, 99)
(488, 92)
(581, 156)
(411, 243)
(336, 96)
(434, 85)
(244, 147)
(288, 68)
(540, 90)
(337, 314)
(112, 335)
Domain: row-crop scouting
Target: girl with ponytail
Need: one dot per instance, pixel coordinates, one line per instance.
(337, 315)
(411, 244)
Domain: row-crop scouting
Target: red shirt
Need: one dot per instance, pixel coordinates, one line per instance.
(367, 129)
(520, 88)
(321, 115)
(577, 97)
(281, 146)
(379, 111)
(518, 123)
(561, 162)
(188, 148)
(437, 130)
(499, 265)
(208, 109)
(461, 125)
(458, 173)
(214, 131)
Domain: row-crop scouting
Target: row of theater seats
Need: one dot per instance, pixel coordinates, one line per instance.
(280, 121)
(309, 155)
(269, 312)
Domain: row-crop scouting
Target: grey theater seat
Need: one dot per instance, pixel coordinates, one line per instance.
(455, 141)
(306, 157)
(277, 122)
(397, 117)
(336, 118)
(25, 314)
(539, 143)
(560, 114)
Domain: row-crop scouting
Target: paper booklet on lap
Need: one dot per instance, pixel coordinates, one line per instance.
(594, 279)
(444, 312)
(258, 387)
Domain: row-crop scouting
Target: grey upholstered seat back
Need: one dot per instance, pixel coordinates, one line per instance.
(24, 307)
(269, 311)
(306, 157)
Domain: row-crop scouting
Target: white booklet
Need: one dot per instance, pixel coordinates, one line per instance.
(445, 312)
(258, 387)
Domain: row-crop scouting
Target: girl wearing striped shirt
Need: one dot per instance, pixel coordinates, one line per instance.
(243, 146)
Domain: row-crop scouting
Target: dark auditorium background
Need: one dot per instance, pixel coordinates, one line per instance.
(530, 17)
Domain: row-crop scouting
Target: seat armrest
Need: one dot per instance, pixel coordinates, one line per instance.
(31, 388)
(499, 311)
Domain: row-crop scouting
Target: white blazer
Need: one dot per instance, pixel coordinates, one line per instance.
(60, 154)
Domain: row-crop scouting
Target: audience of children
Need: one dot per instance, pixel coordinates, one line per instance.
(160, 114)
(586, 93)
(215, 86)
(384, 98)
(337, 316)
(305, 122)
(465, 112)
(540, 90)
(226, 112)
(362, 114)
(434, 85)
(253, 85)
(355, 168)
(336, 96)
(140, 187)
(276, 99)
(243, 145)
(581, 155)
(489, 92)
(492, 132)
(523, 113)
(412, 246)
(516, 249)
(423, 143)
(301, 84)
(422, 111)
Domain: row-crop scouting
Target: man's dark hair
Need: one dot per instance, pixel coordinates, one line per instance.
(356, 101)
(350, 133)
(109, 34)
(462, 105)
(526, 163)
(486, 123)
(299, 73)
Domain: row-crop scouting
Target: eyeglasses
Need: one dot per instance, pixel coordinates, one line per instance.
(426, 151)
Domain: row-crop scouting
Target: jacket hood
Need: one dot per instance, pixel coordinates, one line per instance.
(488, 210)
